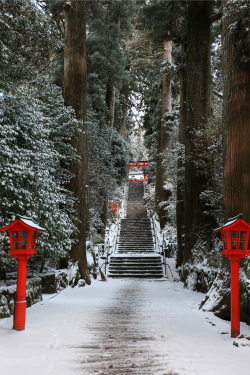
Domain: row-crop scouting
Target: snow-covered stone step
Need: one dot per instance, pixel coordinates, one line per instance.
(135, 252)
(134, 229)
(139, 275)
(143, 265)
(134, 245)
(136, 240)
(141, 249)
(138, 248)
(135, 268)
(126, 259)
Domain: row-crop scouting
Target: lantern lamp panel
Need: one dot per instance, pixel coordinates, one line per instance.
(243, 235)
(239, 240)
(20, 239)
(33, 240)
(224, 240)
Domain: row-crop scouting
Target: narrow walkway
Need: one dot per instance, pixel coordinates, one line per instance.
(135, 206)
(135, 256)
(124, 342)
(122, 327)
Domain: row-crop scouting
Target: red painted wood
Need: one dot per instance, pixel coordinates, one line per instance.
(235, 236)
(138, 164)
(20, 304)
(22, 246)
(235, 298)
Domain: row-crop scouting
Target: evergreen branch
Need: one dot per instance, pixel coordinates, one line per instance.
(218, 94)
(215, 17)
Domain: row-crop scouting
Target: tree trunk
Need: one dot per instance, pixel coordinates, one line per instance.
(122, 128)
(236, 119)
(75, 92)
(180, 181)
(198, 171)
(236, 151)
(161, 193)
(110, 100)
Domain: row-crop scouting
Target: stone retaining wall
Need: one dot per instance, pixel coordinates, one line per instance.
(49, 283)
(8, 296)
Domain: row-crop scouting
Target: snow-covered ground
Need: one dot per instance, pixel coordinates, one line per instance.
(122, 327)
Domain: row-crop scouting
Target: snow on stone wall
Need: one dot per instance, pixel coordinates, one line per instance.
(8, 296)
(49, 283)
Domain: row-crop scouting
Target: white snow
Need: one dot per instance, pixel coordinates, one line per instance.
(72, 271)
(31, 224)
(63, 331)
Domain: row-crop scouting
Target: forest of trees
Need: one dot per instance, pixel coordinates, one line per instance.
(71, 74)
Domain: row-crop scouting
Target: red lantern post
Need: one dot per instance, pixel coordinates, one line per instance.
(235, 235)
(23, 234)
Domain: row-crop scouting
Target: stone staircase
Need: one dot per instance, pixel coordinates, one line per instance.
(139, 265)
(135, 236)
(135, 207)
(135, 256)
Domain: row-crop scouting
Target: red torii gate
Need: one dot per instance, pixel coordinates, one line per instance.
(138, 164)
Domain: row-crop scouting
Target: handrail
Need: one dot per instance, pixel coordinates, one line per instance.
(158, 245)
(117, 236)
(156, 239)
(110, 248)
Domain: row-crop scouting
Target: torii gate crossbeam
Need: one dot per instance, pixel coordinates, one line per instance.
(138, 164)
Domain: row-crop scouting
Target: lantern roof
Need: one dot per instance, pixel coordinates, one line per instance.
(27, 221)
(232, 221)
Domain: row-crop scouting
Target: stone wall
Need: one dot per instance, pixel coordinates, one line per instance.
(54, 282)
(49, 283)
(8, 296)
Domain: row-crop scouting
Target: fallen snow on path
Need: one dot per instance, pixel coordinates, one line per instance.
(122, 327)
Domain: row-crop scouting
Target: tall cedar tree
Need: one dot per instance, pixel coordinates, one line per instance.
(180, 223)
(161, 194)
(75, 93)
(109, 24)
(236, 116)
(198, 171)
(166, 21)
(191, 27)
(236, 152)
(236, 130)
(165, 107)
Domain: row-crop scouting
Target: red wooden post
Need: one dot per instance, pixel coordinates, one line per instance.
(235, 298)
(20, 304)
(22, 234)
(235, 235)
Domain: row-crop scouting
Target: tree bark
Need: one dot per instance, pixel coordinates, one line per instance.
(162, 195)
(181, 165)
(236, 118)
(198, 172)
(122, 127)
(75, 93)
(236, 140)
(110, 100)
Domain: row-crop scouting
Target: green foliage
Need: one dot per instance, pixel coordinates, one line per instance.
(35, 132)
(107, 168)
(120, 157)
(239, 14)
(26, 40)
(164, 19)
(108, 24)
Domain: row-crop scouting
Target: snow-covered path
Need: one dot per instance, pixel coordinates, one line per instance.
(122, 327)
